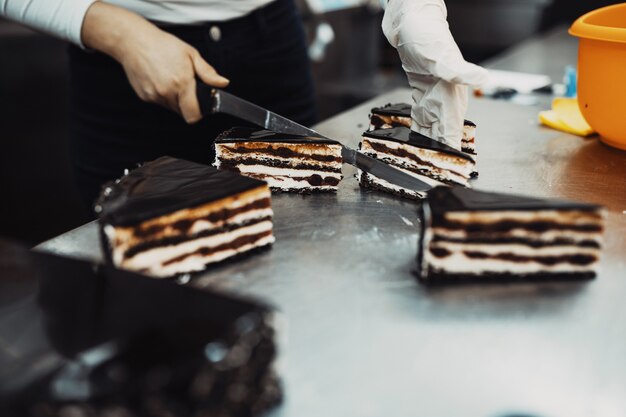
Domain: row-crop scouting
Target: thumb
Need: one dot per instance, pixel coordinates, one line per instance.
(207, 73)
(426, 46)
(441, 60)
(470, 74)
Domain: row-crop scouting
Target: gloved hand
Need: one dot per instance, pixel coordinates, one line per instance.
(435, 68)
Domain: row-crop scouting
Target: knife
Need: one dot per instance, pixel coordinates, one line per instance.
(213, 100)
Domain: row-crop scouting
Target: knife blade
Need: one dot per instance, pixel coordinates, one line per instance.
(213, 100)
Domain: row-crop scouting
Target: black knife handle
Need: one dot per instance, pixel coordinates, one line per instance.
(206, 98)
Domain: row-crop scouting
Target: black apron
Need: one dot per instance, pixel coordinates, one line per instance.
(264, 56)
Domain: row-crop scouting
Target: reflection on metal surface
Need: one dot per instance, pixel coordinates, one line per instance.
(365, 339)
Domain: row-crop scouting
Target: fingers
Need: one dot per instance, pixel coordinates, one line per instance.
(187, 98)
(188, 103)
(207, 73)
(427, 47)
(168, 78)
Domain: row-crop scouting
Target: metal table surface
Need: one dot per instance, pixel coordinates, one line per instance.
(364, 338)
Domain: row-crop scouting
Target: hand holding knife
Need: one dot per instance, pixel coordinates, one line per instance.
(213, 100)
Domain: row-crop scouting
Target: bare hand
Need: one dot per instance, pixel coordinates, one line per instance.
(160, 67)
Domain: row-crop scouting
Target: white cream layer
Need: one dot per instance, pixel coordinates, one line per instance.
(286, 183)
(152, 259)
(284, 178)
(199, 262)
(547, 236)
(515, 248)
(287, 172)
(458, 263)
(575, 217)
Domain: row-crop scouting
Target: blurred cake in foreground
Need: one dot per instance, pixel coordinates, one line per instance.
(399, 114)
(432, 162)
(172, 216)
(470, 235)
(286, 162)
(80, 339)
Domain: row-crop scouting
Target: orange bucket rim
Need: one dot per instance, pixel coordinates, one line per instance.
(581, 28)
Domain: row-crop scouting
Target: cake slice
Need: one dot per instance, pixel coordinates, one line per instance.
(468, 141)
(172, 216)
(287, 162)
(470, 235)
(432, 162)
(80, 339)
(390, 115)
(399, 114)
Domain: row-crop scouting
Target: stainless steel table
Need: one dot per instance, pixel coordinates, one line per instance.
(363, 338)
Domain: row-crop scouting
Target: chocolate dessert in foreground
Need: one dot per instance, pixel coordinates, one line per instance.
(286, 162)
(172, 216)
(470, 235)
(399, 114)
(80, 339)
(424, 158)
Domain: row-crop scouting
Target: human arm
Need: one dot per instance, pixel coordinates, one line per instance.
(61, 18)
(160, 67)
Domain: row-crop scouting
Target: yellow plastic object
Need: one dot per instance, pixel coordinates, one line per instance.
(602, 71)
(565, 115)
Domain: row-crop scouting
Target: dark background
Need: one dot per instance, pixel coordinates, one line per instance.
(38, 200)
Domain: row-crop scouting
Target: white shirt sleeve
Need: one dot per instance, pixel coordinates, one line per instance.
(61, 18)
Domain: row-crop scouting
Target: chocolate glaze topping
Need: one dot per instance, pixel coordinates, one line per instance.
(249, 134)
(403, 134)
(396, 109)
(443, 199)
(165, 185)
(402, 110)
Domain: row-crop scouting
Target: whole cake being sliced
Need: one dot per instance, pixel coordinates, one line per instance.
(286, 162)
(470, 235)
(399, 114)
(172, 216)
(432, 162)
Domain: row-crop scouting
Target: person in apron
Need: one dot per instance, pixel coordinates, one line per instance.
(134, 65)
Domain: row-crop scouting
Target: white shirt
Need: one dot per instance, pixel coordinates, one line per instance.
(64, 18)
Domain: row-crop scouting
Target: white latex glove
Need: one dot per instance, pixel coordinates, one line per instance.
(435, 68)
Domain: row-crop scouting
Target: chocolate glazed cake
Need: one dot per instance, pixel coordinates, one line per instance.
(399, 114)
(172, 216)
(432, 162)
(286, 162)
(80, 339)
(470, 235)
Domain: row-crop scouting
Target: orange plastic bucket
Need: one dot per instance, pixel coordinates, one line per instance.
(602, 71)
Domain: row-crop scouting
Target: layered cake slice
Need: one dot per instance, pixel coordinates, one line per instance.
(80, 339)
(399, 114)
(390, 115)
(432, 162)
(172, 216)
(286, 162)
(468, 141)
(470, 235)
